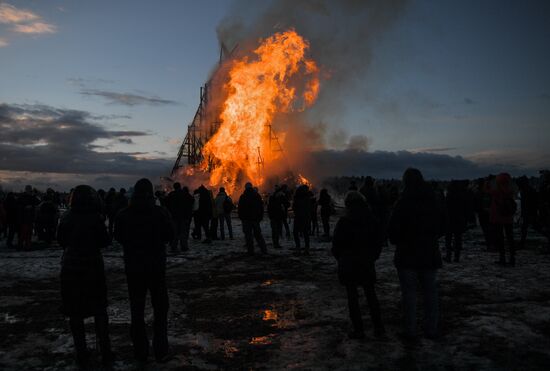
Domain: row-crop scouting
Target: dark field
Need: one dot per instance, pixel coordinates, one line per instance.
(279, 311)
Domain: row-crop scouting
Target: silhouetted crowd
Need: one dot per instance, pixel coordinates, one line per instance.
(413, 215)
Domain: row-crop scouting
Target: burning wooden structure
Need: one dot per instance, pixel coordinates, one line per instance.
(231, 137)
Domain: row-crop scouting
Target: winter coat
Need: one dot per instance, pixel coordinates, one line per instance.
(205, 210)
(502, 208)
(143, 229)
(119, 202)
(26, 207)
(529, 203)
(356, 245)
(251, 206)
(180, 204)
(10, 205)
(83, 287)
(458, 207)
(220, 202)
(325, 202)
(301, 206)
(277, 206)
(415, 226)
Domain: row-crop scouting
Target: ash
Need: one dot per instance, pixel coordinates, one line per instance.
(233, 311)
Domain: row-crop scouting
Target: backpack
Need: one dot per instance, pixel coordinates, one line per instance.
(228, 205)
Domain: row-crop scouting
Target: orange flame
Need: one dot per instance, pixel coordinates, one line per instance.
(257, 90)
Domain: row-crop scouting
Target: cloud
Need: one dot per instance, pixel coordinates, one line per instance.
(35, 28)
(44, 139)
(127, 99)
(388, 165)
(469, 101)
(10, 14)
(81, 82)
(24, 21)
(433, 149)
(3, 42)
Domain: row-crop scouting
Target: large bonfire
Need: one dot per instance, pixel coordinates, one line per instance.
(277, 78)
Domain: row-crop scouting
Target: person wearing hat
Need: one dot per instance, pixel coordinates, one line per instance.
(143, 229)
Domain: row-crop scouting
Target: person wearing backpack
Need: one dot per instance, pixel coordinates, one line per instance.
(501, 216)
(224, 206)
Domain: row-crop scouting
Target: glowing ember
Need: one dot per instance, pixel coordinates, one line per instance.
(258, 89)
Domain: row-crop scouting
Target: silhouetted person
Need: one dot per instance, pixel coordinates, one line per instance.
(26, 206)
(10, 206)
(501, 217)
(313, 214)
(251, 213)
(356, 245)
(301, 206)
(46, 220)
(143, 229)
(110, 208)
(376, 205)
(276, 210)
(82, 234)
(415, 226)
(120, 201)
(458, 210)
(180, 204)
(372, 198)
(482, 204)
(529, 208)
(224, 207)
(544, 206)
(286, 205)
(327, 207)
(352, 186)
(204, 213)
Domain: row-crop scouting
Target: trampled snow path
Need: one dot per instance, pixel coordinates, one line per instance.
(279, 311)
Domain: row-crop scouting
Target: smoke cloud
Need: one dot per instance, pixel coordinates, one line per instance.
(342, 38)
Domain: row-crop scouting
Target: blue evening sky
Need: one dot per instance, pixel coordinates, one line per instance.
(469, 78)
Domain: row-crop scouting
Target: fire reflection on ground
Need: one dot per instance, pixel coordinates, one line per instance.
(269, 315)
(261, 340)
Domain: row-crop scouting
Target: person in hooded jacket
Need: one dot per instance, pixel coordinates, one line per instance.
(143, 229)
(301, 206)
(416, 224)
(356, 245)
(251, 213)
(82, 234)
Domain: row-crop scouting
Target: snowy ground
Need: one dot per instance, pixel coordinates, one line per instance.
(232, 311)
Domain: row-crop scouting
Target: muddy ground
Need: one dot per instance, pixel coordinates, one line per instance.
(232, 311)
